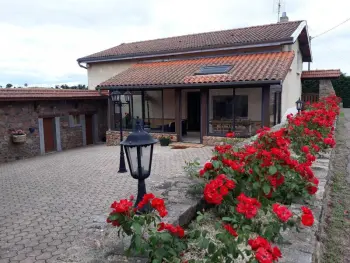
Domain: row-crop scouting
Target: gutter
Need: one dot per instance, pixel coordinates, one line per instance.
(80, 65)
(118, 58)
(196, 85)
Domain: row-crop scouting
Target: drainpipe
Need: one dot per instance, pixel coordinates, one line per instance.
(80, 65)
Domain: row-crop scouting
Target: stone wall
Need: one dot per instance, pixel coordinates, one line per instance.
(25, 116)
(326, 88)
(113, 137)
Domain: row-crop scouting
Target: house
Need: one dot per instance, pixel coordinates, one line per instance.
(198, 87)
(53, 120)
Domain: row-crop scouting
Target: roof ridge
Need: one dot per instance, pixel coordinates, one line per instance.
(208, 32)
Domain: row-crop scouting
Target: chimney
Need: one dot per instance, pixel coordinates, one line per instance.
(284, 17)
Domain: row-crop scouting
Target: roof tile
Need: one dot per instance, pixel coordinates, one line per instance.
(247, 67)
(47, 94)
(218, 39)
(321, 74)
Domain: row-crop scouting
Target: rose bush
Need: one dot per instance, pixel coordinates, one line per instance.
(248, 189)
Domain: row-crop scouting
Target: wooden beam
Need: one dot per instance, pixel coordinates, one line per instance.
(178, 113)
(204, 112)
(109, 109)
(265, 106)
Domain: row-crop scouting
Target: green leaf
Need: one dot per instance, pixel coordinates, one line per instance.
(256, 185)
(227, 219)
(211, 248)
(137, 228)
(272, 170)
(165, 236)
(137, 241)
(266, 188)
(204, 243)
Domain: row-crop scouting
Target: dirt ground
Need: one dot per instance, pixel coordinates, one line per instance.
(335, 234)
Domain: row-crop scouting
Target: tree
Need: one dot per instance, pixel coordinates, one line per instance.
(9, 85)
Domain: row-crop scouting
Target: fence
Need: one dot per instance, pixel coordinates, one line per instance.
(310, 97)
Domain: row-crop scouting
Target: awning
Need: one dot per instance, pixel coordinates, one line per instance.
(246, 68)
(321, 74)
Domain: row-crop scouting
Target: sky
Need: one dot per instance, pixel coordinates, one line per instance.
(42, 39)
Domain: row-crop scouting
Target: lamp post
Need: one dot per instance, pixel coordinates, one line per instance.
(299, 103)
(116, 98)
(139, 152)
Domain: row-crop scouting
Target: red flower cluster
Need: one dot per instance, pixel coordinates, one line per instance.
(122, 207)
(264, 252)
(230, 134)
(276, 180)
(174, 230)
(307, 218)
(247, 206)
(157, 204)
(282, 212)
(231, 230)
(216, 189)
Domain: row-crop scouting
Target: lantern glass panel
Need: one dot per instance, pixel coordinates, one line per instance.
(127, 96)
(146, 158)
(132, 158)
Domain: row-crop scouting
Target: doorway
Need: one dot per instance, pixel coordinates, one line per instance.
(193, 117)
(88, 129)
(49, 134)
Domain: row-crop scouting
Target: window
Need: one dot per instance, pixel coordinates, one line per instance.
(219, 69)
(74, 120)
(222, 107)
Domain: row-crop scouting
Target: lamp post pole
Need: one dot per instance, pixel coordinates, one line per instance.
(122, 168)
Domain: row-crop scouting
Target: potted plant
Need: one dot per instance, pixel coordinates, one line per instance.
(18, 136)
(165, 140)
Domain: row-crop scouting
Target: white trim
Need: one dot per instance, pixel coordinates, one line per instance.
(297, 32)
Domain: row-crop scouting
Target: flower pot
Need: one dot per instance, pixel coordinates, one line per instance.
(19, 138)
(164, 143)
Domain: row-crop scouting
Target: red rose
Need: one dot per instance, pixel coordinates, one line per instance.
(307, 218)
(263, 256)
(231, 230)
(201, 172)
(208, 166)
(276, 253)
(282, 212)
(230, 134)
(305, 149)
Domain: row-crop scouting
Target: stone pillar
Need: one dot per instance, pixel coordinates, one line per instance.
(178, 113)
(41, 135)
(58, 133)
(83, 128)
(326, 88)
(204, 113)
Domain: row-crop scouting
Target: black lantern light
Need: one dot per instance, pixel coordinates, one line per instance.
(127, 96)
(139, 152)
(116, 98)
(299, 103)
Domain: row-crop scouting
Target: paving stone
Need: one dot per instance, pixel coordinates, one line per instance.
(59, 194)
(44, 256)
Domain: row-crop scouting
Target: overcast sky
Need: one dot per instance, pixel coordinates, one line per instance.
(41, 39)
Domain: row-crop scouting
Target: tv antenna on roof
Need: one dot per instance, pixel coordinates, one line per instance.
(279, 6)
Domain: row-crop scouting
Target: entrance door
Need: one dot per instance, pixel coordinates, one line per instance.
(194, 111)
(49, 133)
(88, 129)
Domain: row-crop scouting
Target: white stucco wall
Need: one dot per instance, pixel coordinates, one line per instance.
(291, 89)
(99, 72)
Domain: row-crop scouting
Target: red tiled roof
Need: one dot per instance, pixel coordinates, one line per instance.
(321, 74)
(248, 67)
(48, 94)
(196, 42)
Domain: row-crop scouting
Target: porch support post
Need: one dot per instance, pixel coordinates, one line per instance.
(109, 109)
(178, 113)
(162, 110)
(204, 113)
(265, 106)
(143, 106)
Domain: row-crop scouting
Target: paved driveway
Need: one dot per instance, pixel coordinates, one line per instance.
(46, 201)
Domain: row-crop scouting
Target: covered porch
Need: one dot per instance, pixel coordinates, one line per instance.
(190, 101)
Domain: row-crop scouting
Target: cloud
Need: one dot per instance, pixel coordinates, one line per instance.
(41, 39)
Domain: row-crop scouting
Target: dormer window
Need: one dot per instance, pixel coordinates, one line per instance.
(217, 69)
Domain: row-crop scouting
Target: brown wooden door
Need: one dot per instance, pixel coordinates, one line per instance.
(88, 126)
(49, 134)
